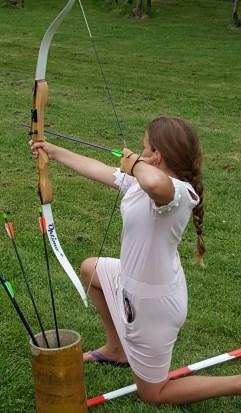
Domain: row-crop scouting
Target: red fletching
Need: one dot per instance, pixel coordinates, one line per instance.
(42, 224)
(10, 230)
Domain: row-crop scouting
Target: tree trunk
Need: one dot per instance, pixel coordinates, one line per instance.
(14, 3)
(148, 10)
(236, 20)
(139, 9)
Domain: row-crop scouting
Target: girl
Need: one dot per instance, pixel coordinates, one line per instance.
(142, 297)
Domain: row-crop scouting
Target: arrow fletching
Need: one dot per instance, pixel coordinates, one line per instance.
(7, 284)
(8, 226)
(10, 288)
(117, 152)
(42, 222)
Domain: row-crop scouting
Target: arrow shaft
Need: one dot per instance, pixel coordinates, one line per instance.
(10, 231)
(30, 293)
(51, 287)
(68, 138)
(20, 313)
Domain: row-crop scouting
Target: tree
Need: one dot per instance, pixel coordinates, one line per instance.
(139, 8)
(236, 20)
(13, 3)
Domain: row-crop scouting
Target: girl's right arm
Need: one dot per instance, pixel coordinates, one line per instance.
(88, 167)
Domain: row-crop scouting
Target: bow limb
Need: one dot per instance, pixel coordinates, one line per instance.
(40, 98)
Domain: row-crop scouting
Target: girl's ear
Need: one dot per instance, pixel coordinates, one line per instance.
(157, 158)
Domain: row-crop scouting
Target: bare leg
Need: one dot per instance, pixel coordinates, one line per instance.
(112, 349)
(188, 389)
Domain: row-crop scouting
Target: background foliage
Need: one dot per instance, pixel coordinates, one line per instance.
(185, 61)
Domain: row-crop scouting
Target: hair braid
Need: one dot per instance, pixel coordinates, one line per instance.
(198, 211)
(194, 176)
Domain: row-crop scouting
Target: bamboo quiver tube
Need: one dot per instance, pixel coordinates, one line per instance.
(58, 373)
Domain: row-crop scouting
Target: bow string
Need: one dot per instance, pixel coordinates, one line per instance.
(121, 136)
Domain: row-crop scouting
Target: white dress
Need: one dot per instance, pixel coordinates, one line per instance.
(149, 276)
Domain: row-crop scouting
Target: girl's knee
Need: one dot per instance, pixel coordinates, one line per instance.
(149, 396)
(153, 398)
(151, 393)
(87, 267)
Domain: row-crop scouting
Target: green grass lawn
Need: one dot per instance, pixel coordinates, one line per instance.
(183, 61)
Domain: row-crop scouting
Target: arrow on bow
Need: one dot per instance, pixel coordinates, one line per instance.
(115, 152)
(40, 98)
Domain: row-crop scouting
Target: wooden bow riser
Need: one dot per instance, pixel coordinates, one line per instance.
(40, 98)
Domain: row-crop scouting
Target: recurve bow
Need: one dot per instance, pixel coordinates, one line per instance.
(40, 98)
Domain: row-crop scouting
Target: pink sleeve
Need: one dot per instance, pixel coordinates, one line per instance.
(123, 181)
(183, 191)
(174, 204)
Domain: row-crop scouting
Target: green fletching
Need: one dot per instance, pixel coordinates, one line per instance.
(117, 152)
(5, 216)
(40, 211)
(10, 288)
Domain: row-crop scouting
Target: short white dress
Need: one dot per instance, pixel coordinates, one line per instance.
(145, 289)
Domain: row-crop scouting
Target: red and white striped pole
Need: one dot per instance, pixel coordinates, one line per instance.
(183, 371)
